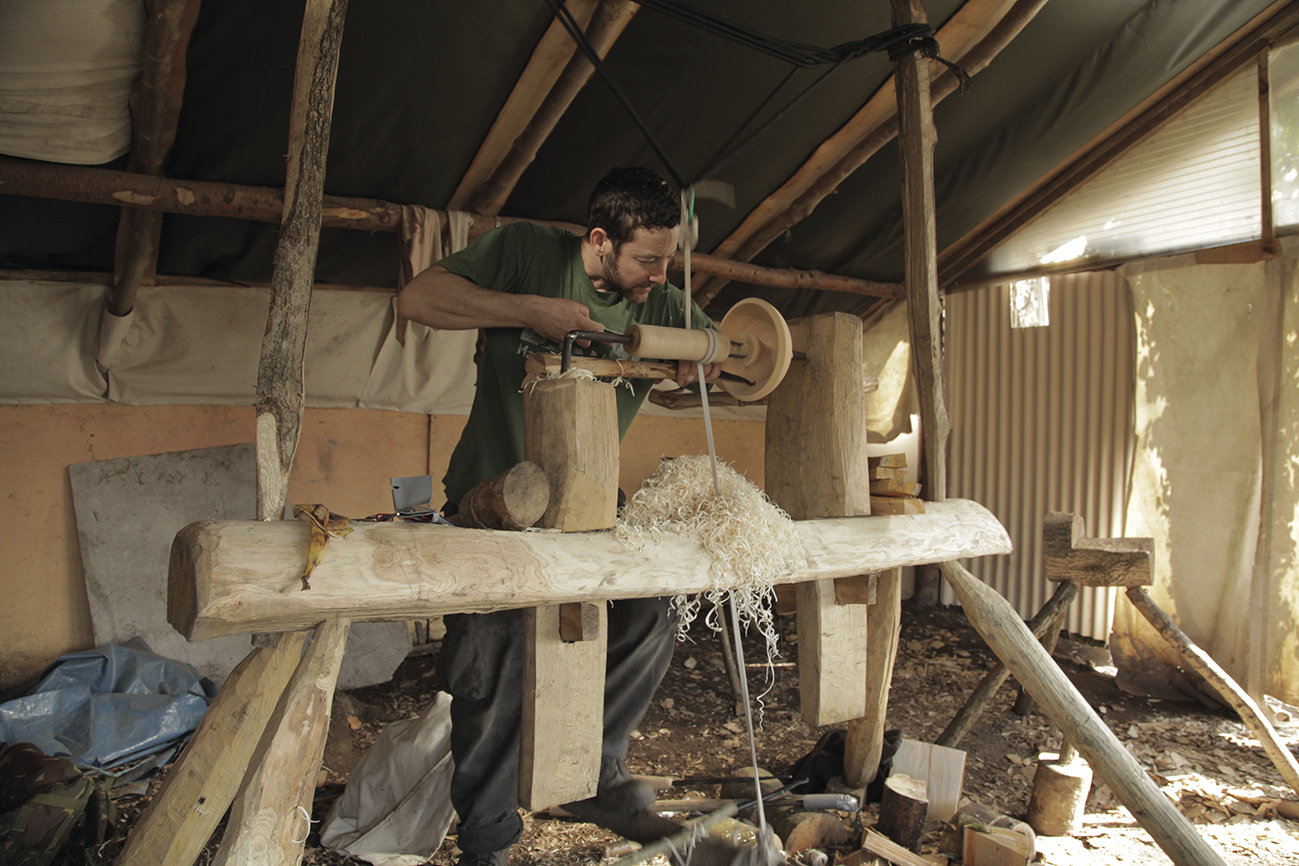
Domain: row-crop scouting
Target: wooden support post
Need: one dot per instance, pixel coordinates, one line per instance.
(202, 784)
(570, 429)
(571, 432)
(916, 137)
(563, 710)
(816, 467)
(1003, 630)
(865, 743)
(271, 817)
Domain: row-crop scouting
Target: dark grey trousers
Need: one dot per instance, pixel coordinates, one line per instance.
(481, 665)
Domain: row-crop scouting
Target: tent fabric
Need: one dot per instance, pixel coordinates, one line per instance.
(1203, 340)
(66, 68)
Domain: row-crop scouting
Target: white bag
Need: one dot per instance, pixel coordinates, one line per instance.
(396, 809)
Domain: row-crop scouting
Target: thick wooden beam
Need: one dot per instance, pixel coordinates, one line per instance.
(570, 430)
(280, 396)
(242, 576)
(537, 79)
(1003, 630)
(976, 34)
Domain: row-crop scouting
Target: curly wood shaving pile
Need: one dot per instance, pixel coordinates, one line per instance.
(574, 373)
(752, 541)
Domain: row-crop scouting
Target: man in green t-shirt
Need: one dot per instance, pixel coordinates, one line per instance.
(527, 286)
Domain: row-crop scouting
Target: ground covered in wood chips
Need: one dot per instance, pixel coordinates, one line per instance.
(1203, 759)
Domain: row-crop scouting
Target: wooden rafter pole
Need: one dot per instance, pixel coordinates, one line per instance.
(607, 25)
(975, 35)
(548, 60)
(206, 198)
(155, 110)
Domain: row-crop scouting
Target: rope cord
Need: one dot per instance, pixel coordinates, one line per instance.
(897, 42)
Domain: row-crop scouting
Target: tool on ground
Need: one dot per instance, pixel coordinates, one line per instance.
(752, 343)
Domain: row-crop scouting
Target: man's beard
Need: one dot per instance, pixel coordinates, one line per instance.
(613, 276)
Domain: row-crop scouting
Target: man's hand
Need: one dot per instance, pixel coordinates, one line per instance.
(553, 318)
(688, 371)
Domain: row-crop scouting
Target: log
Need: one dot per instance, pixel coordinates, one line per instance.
(1003, 630)
(570, 429)
(200, 787)
(270, 819)
(903, 810)
(1237, 698)
(512, 501)
(241, 576)
(865, 741)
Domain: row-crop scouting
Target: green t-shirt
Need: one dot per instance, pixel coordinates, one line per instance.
(532, 259)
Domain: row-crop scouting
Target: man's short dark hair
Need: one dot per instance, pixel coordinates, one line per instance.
(630, 198)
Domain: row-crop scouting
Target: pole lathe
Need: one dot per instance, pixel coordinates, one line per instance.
(752, 343)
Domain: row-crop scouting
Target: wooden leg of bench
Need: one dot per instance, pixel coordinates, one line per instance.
(198, 790)
(271, 816)
(865, 741)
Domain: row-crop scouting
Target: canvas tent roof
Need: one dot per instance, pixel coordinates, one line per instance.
(420, 85)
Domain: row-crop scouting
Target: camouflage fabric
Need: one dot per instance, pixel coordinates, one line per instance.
(43, 802)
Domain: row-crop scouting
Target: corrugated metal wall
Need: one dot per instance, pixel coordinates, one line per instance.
(1042, 421)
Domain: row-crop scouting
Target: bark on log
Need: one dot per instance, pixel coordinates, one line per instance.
(513, 500)
(903, 810)
(1003, 630)
(241, 576)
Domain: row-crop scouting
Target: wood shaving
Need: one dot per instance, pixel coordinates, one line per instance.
(751, 540)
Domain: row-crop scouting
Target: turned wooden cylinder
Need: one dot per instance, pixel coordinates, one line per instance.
(570, 429)
(696, 344)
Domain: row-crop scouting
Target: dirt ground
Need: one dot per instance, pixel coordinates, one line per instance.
(1203, 759)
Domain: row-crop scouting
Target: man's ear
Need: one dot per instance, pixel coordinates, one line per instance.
(600, 243)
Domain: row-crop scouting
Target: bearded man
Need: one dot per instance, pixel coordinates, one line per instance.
(526, 286)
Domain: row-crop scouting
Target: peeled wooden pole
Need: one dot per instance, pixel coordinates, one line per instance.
(1003, 630)
(865, 742)
(1236, 697)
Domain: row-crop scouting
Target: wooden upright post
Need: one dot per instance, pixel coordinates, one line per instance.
(571, 432)
(816, 467)
(916, 138)
(212, 764)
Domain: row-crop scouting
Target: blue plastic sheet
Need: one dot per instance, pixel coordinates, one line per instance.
(107, 706)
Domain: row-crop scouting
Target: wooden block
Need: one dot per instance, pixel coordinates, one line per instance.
(563, 711)
(860, 589)
(270, 818)
(880, 845)
(888, 461)
(831, 655)
(995, 846)
(816, 423)
(897, 505)
(513, 500)
(200, 787)
(903, 810)
(579, 620)
(570, 429)
(893, 487)
(942, 770)
(786, 598)
(1067, 554)
(882, 473)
